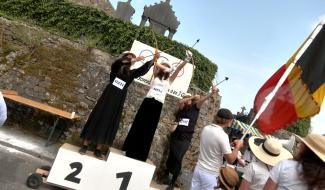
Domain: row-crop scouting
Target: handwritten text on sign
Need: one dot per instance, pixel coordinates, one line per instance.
(181, 83)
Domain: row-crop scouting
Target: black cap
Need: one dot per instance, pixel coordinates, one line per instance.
(225, 114)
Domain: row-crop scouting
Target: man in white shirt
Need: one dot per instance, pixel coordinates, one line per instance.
(214, 146)
(3, 110)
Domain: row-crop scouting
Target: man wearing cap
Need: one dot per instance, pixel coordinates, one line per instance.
(186, 118)
(214, 146)
(3, 110)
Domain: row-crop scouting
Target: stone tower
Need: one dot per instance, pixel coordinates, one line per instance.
(124, 11)
(161, 18)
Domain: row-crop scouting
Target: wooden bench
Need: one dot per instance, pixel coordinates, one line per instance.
(14, 96)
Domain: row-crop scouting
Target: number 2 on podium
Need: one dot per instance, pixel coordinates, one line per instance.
(78, 166)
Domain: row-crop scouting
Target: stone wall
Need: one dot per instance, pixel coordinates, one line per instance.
(68, 75)
(103, 5)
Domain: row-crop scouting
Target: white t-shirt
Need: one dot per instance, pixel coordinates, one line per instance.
(286, 174)
(3, 110)
(158, 89)
(249, 156)
(256, 173)
(214, 143)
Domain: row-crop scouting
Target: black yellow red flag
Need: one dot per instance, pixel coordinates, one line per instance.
(302, 93)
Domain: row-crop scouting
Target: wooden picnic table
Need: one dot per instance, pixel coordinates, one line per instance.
(14, 96)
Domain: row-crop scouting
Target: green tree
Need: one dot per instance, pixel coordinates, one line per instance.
(301, 127)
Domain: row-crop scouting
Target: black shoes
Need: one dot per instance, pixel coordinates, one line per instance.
(83, 149)
(98, 154)
(165, 179)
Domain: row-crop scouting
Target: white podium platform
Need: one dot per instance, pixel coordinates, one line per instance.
(85, 172)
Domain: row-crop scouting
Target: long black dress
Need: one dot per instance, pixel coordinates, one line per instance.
(181, 138)
(103, 122)
(138, 142)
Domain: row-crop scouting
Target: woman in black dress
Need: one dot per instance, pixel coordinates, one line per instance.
(103, 122)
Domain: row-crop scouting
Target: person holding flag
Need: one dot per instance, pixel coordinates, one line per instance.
(214, 146)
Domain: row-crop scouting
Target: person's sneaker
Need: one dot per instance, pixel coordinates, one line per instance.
(83, 149)
(98, 154)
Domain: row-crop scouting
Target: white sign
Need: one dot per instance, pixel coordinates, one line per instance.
(184, 122)
(181, 83)
(74, 171)
(119, 83)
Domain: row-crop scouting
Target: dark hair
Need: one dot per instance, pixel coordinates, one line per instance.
(313, 169)
(225, 113)
(125, 69)
(161, 74)
(221, 121)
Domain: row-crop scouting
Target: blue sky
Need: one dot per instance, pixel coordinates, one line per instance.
(248, 40)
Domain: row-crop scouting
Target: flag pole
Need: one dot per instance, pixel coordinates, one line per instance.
(297, 55)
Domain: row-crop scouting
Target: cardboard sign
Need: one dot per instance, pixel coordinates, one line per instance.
(74, 171)
(180, 86)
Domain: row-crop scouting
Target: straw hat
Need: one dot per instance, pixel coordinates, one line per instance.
(269, 151)
(194, 98)
(165, 62)
(228, 177)
(315, 143)
(129, 53)
(187, 95)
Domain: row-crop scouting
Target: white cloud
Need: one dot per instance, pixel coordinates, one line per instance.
(318, 122)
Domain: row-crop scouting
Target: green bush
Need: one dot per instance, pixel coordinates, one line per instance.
(105, 32)
(301, 127)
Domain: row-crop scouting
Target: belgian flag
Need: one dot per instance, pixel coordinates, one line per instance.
(302, 93)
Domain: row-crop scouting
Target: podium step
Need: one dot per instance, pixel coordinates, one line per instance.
(74, 171)
(91, 153)
(121, 152)
(155, 186)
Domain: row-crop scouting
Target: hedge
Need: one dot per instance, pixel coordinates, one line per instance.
(103, 31)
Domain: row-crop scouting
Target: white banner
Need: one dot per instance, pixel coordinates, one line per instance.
(181, 83)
